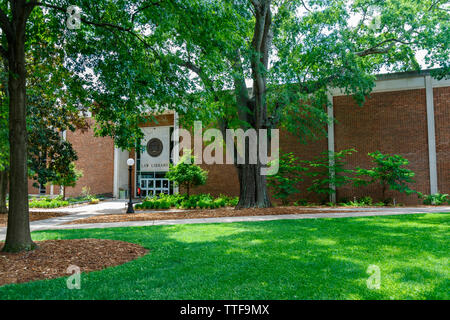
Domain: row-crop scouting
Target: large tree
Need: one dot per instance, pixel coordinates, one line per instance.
(81, 51)
(292, 52)
(44, 99)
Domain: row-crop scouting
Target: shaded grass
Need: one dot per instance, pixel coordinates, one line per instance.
(286, 259)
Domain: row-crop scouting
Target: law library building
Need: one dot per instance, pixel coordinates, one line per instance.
(407, 114)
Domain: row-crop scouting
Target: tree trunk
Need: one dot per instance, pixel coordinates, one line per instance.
(3, 189)
(253, 187)
(18, 237)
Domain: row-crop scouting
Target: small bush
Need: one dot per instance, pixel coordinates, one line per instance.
(436, 199)
(47, 203)
(202, 201)
(362, 202)
(301, 202)
(366, 201)
(284, 183)
(389, 172)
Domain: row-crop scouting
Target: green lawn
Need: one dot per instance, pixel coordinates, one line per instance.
(301, 259)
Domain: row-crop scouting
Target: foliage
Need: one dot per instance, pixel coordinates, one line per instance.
(68, 178)
(86, 194)
(301, 202)
(436, 199)
(389, 172)
(51, 108)
(59, 201)
(362, 202)
(201, 201)
(48, 203)
(284, 183)
(186, 173)
(329, 169)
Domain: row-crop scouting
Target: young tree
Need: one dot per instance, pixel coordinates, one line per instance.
(328, 172)
(67, 179)
(285, 182)
(389, 172)
(187, 174)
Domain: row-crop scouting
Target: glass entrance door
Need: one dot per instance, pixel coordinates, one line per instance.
(152, 184)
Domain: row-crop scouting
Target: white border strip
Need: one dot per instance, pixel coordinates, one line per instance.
(431, 135)
(400, 85)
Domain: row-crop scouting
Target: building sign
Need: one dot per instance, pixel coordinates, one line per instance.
(156, 156)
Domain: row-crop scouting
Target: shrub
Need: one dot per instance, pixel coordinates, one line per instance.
(202, 201)
(229, 201)
(187, 174)
(362, 202)
(220, 202)
(389, 172)
(301, 202)
(327, 170)
(436, 199)
(47, 203)
(367, 201)
(284, 182)
(67, 179)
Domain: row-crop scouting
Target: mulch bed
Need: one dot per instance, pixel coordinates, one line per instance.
(34, 216)
(192, 214)
(52, 258)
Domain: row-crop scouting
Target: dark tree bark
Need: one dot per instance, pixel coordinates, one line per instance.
(3, 189)
(253, 186)
(18, 237)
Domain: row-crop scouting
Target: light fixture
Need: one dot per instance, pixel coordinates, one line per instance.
(130, 163)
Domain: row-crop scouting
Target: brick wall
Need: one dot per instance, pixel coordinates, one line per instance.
(390, 122)
(95, 159)
(223, 179)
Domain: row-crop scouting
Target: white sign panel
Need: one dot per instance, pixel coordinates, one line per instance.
(156, 153)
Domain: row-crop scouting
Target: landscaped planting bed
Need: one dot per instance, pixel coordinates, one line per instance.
(197, 214)
(58, 202)
(34, 216)
(52, 258)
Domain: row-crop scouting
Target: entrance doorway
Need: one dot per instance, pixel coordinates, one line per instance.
(153, 183)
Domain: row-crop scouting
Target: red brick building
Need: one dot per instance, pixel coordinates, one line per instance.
(406, 114)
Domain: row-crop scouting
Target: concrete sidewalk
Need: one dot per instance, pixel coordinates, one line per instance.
(119, 206)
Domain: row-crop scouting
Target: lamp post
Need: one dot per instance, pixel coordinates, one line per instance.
(130, 163)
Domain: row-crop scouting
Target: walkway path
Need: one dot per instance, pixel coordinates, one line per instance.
(119, 206)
